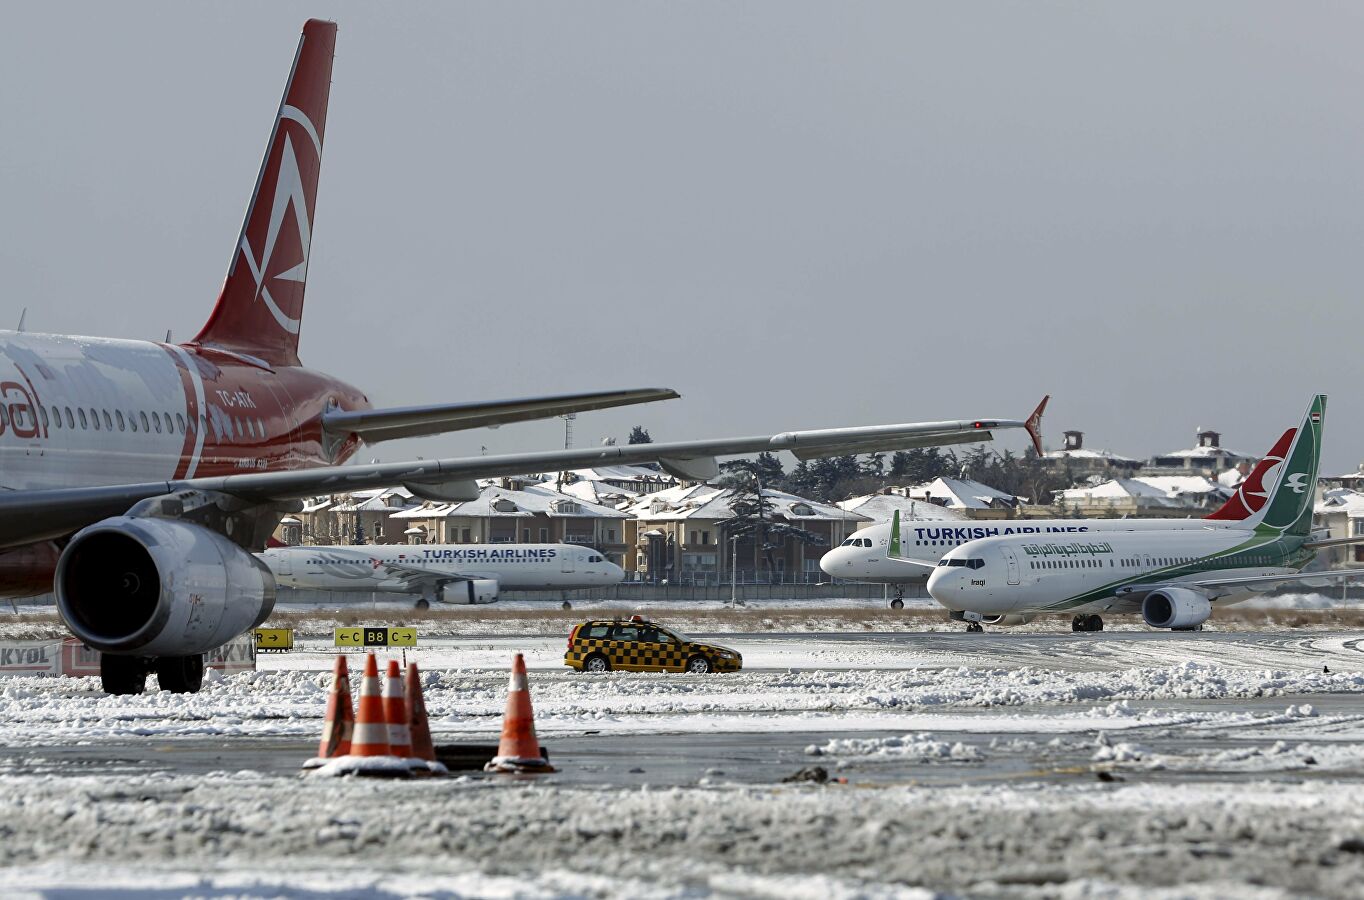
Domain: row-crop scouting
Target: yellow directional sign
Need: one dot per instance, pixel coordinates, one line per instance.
(274, 640)
(373, 636)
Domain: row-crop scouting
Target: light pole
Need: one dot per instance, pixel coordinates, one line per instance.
(733, 567)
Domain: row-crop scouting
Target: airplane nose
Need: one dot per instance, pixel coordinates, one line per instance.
(829, 562)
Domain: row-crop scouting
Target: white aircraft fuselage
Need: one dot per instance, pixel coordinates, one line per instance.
(515, 567)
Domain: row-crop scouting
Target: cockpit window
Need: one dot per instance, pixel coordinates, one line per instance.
(962, 563)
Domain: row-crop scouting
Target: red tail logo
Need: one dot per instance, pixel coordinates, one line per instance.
(1252, 495)
(261, 307)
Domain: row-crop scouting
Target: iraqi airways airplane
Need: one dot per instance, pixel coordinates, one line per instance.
(1172, 577)
(457, 573)
(898, 554)
(138, 477)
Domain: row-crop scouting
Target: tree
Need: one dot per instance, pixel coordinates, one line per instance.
(921, 464)
(753, 517)
(640, 435)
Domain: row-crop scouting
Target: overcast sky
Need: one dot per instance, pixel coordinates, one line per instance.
(797, 215)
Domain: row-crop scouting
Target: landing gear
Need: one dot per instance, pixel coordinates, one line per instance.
(565, 605)
(974, 627)
(423, 603)
(180, 674)
(1087, 623)
(122, 674)
(899, 601)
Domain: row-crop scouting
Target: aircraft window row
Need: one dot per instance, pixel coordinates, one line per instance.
(1067, 564)
(962, 563)
(63, 417)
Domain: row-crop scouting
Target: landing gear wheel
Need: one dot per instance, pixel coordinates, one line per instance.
(974, 627)
(1087, 623)
(897, 603)
(180, 674)
(565, 605)
(122, 674)
(596, 663)
(698, 665)
(423, 603)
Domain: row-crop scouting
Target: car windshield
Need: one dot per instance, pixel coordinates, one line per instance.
(675, 634)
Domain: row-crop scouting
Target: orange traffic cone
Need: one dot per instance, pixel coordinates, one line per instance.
(370, 737)
(395, 713)
(417, 725)
(340, 722)
(519, 749)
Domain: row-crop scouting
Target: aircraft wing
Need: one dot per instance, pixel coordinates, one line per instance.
(1264, 582)
(417, 579)
(374, 425)
(29, 516)
(1215, 587)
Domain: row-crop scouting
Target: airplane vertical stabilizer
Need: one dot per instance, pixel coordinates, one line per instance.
(260, 310)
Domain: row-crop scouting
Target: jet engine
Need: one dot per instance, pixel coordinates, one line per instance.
(475, 590)
(1175, 607)
(1007, 621)
(159, 587)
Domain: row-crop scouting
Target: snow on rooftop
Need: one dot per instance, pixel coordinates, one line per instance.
(957, 493)
(1086, 453)
(1174, 485)
(1119, 489)
(704, 501)
(495, 501)
(882, 507)
(1341, 500)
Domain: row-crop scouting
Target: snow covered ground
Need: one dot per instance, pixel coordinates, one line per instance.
(1013, 765)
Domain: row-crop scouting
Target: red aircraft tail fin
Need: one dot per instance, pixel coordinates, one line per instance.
(1251, 496)
(261, 307)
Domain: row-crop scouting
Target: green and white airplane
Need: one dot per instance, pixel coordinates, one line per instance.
(1172, 577)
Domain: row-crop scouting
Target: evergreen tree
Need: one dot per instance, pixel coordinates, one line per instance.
(640, 435)
(753, 519)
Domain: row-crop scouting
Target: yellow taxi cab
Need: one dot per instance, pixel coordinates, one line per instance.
(639, 646)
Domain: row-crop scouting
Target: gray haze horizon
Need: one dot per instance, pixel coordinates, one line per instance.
(797, 215)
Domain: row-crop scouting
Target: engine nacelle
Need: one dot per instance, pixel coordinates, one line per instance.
(1007, 621)
(1175, 607)
(475, 590)
(159, 587)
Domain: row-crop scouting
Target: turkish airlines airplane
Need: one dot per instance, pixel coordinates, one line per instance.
(1172, 577)
(136, 477)
(890, 553)
(455, 573)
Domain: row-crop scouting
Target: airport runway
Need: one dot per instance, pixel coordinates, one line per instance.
(1143, 760)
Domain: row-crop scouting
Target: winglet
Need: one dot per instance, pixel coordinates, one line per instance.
(1034, 425)
(893, 549)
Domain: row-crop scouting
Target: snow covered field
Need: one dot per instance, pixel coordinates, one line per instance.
(1015, 765)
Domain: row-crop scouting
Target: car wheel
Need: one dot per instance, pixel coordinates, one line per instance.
(596, 663)
(698, 665)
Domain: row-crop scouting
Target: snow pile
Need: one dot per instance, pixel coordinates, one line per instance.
(910, 747)
(250, 835)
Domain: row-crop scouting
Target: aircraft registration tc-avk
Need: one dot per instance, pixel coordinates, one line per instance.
(453, 573)
(1172, 577)
(138, 477)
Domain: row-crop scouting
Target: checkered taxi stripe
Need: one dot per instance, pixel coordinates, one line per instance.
(669, 657)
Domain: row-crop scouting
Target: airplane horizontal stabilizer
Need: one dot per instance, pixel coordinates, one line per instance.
(375, 425)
